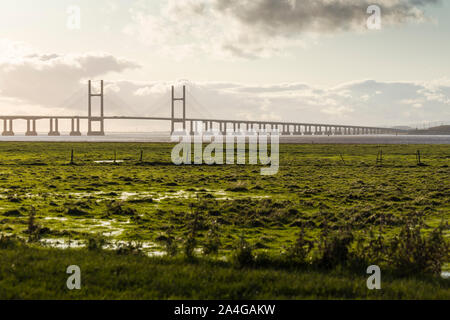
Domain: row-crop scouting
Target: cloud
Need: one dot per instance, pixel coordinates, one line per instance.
(47, 79)
(258, 28)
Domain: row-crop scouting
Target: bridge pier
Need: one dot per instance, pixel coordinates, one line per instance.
(318, 131)
(308, 130)
(75, 131)
(8, 131)
(31, 128)
(54, 128)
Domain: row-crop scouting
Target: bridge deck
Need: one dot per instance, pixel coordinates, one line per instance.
(280, 123)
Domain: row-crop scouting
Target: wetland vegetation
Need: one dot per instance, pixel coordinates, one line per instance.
(141, 227)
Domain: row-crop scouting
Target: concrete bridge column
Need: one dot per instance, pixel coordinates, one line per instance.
(316, 130)
(8, 131)
(308, 131)
(54, 130)
(75, 125)
(31, 129)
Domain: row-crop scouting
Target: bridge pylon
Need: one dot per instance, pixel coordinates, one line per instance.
(175, 120)
(96, 119)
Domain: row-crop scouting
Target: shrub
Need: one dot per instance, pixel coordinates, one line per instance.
(243, 253)
(9, 242)
(169, 243)
(189, 246)
(299, 251)
(96, 242)
(212, 244)
(33, 229)
(411, 252)
(334, 248)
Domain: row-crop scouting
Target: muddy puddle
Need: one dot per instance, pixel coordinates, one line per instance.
(147, 247)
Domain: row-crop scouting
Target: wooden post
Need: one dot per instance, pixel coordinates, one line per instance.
(71, 157)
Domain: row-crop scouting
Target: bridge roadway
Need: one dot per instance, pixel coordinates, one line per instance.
(287, 128)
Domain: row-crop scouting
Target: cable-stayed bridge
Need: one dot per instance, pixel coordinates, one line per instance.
(96, 121)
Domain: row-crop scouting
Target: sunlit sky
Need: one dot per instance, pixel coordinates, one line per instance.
(266, 59)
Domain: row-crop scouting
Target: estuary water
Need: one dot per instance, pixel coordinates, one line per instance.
(164, 137)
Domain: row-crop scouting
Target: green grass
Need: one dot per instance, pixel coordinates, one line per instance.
(142, 201)
(28, 273)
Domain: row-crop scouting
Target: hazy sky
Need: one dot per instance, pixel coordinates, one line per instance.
(262, 59)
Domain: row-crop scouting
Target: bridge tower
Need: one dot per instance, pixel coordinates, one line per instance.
(96, 119)
(174, 100)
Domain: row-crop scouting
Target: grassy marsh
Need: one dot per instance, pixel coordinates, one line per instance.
(317, 187)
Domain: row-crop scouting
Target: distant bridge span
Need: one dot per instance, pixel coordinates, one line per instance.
(224, 126)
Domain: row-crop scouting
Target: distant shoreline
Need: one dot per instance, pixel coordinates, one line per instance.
(165, 138)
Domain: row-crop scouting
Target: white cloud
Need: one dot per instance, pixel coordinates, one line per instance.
(47, 79)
